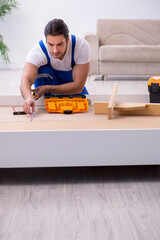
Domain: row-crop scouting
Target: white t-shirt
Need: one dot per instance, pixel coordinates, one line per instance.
(81, 55)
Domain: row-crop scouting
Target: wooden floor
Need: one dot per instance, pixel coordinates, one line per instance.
(94, 203)
(10, 82)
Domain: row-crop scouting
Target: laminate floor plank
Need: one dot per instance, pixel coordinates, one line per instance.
(93, 203)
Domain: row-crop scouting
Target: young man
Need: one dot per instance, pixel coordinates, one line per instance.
(59, 64)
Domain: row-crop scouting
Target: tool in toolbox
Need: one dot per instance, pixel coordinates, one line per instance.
(154, 89)
(66, 103)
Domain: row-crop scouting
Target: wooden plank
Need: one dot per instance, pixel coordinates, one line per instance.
(129, 106)
(150, 109)
(112, 101)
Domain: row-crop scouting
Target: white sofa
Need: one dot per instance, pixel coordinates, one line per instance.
(125, 47)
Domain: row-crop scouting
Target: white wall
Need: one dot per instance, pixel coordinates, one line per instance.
(25, 26)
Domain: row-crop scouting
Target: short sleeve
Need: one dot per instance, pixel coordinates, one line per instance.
(82, 51)
(36, 56)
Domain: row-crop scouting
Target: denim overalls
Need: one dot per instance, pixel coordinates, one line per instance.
(49, 76)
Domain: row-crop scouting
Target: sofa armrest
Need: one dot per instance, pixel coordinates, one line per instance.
(93, 41)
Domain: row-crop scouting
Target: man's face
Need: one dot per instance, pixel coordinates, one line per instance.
(57, 45)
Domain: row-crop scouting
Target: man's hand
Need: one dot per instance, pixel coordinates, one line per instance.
(28, 105)
(40, 91)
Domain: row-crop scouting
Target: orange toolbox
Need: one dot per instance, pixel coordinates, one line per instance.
(66, 103)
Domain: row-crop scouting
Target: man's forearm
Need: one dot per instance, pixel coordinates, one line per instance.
(68, 88)
(28, 78)
(25, 89)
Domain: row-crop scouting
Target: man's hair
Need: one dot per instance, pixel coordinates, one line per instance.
(56, 27)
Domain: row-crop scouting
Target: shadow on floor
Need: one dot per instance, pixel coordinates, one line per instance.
(76, 175)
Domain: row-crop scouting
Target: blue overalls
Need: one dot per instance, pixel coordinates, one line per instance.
(49, 76)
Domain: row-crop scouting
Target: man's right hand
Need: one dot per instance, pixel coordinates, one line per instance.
(28, 105)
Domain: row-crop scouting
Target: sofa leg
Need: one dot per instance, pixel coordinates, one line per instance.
(105, 77)
(101, 78)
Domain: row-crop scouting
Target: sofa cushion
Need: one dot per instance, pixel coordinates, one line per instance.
(128, 31)
(131, 53)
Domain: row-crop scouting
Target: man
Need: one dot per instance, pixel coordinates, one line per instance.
(59, 64)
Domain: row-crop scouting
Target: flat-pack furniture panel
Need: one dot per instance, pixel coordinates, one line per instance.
(83, 139)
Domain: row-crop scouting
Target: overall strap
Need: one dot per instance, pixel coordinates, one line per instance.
(73, 47)
(45, 51)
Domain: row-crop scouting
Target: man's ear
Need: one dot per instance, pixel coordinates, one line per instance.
(68, 39)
